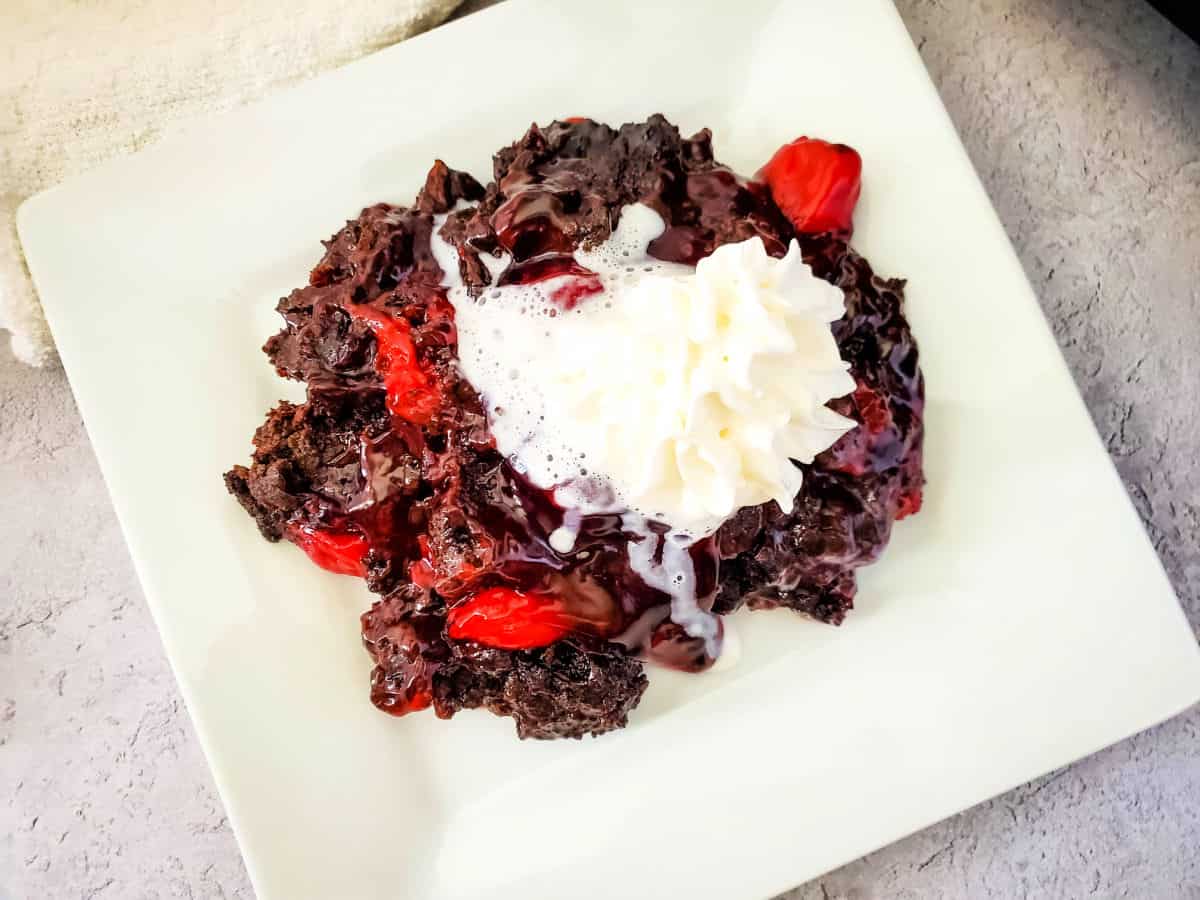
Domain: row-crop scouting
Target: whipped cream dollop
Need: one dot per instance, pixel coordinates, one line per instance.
(680, 393)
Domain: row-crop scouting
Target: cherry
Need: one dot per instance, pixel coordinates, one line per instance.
(583, 282)
(514, 620)
(567, 296)
(909, 504)
(412, 393)
(340, 552)
(873, 408)
(531, 223)
(545, 267)
(815, 183)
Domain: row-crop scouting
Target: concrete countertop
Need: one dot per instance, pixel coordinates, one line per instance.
(1083, 117)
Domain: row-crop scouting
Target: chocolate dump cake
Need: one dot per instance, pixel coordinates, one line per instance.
(562, 423)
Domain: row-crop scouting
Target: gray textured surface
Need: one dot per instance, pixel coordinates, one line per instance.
(1084, 120)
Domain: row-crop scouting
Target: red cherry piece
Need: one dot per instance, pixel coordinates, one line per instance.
(910, 504)
(511, 620)
(815, 183)
(545, 267)
(530, 224)
(568, 295)
(340, 552)
(411, 393)
(575, 120)
(579, 282)
(873, 409)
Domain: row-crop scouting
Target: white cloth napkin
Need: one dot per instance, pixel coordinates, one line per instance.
(85, 80)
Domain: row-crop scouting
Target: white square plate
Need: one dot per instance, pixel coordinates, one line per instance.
(1021, 621)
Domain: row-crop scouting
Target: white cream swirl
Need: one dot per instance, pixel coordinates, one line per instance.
(685, 392)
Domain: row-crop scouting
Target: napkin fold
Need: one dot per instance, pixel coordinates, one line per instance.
(85, 80)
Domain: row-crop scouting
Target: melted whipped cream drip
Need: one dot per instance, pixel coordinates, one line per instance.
(673, 397)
